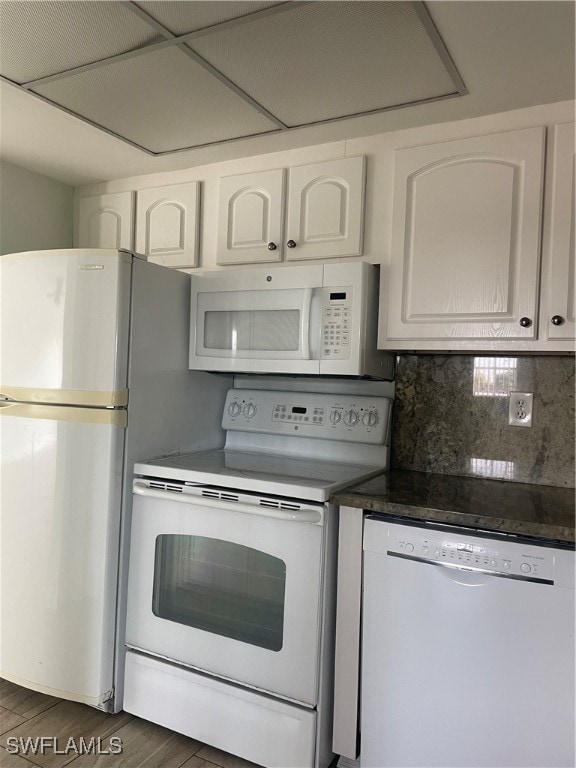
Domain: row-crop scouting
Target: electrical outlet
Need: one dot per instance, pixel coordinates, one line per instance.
(520, 409)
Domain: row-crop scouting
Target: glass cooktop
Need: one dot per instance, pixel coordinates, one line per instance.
(269, 473)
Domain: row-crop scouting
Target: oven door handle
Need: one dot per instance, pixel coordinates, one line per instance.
(306, 515)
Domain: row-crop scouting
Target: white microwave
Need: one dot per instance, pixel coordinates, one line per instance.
(315, 319)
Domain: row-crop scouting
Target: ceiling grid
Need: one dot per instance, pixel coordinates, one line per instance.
(170, 76)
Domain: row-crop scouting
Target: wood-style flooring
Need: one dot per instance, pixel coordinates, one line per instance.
(25, 714)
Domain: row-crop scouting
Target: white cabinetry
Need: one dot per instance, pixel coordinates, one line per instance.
(558, 268)
(251, 218)
(319, 216)
(167, 224)
(106, 221)
(164, 227)
(325, 210)
(465, 243)
(465, 272)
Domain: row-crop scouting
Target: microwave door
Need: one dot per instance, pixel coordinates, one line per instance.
(265, 331)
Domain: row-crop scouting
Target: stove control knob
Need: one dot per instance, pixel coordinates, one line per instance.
(525, 567)
(351, 418)
(370, 418)
(249, 410)
(234, 408)
(409, 547)
(335, 417)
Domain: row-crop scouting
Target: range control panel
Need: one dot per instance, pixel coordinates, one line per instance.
(357, 419)
(515, 560)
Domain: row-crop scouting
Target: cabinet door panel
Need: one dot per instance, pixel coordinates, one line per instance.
(325, 209)
(559, 272)
(469, 237)
(106, 221)
(465, 241)
(167, 223)
(250, 217)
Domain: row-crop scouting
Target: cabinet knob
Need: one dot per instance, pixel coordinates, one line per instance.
(271, 246)
(291, 244)
(525, 322)
(557, 320)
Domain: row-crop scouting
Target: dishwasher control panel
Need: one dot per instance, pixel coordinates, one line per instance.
(517, 560)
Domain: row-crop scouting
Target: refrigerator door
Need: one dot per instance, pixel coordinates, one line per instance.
(65, 322)
(60, 499)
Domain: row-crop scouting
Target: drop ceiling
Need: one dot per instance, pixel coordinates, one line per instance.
(150, 86)
(169, 76)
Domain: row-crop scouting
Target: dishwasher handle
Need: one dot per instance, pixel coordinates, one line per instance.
(307, 515)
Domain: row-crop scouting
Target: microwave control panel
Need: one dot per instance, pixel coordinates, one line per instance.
(353, 418)
(336, 323)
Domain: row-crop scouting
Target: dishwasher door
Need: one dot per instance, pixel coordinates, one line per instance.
(468, 650)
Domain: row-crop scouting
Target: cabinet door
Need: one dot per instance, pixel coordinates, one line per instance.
(106, 221)
(465, 240)
(167, 220)
(325, 210)
(250, 218)
(558, 273)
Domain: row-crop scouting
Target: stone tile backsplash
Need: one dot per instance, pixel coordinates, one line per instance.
(451, 417)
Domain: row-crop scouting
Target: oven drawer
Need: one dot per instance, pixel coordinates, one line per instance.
(245, 723)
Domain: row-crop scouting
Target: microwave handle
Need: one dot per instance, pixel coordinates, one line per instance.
(305, 324)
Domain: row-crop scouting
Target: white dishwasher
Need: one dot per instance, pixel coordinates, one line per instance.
(468, 649)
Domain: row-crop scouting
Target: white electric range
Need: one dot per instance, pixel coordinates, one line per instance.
(232, 579)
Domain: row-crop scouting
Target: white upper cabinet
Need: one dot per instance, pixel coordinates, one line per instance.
(106, 221)
(322, 208)
(325, 209)
(465, 243)
(250, 218)
(558, 269)
(167, 224)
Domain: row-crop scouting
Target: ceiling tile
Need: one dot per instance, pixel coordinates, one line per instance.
(325, 60)
(181, 17)
(41, 38)
(161, 101)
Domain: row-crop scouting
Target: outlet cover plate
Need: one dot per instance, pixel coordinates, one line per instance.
(520, 409)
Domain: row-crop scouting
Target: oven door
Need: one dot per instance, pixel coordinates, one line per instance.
(230, 588)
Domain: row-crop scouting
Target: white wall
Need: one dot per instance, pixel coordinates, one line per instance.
(36, 212)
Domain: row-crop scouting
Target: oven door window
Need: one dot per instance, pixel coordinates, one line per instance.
(220, 587)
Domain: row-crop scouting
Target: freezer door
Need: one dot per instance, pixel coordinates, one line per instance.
(64, 326)
(60, 499)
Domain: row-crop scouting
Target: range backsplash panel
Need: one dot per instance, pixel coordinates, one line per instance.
(451, 417)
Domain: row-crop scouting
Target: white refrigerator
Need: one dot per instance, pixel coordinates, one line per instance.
(93, 377)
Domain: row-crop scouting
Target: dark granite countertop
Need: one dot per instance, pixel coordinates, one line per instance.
(542, 511)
